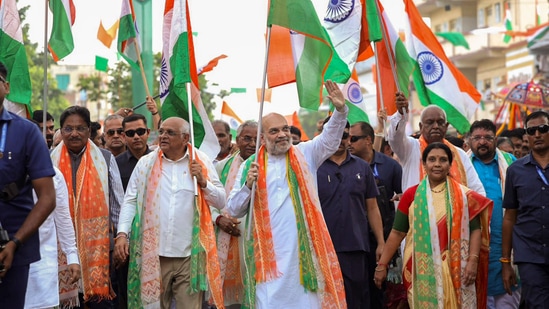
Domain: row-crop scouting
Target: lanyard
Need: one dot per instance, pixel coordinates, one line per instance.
(3, 140)
(540, 173)
(376, 174)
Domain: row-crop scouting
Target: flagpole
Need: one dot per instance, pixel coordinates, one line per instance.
(45, 91)
(390, 56)
(259, 125)
(143, 69)
(191, 131)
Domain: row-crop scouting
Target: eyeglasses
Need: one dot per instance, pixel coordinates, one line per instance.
(140, 132)
(169, 132)
(345, 135)
(247, 139)
(487, 138)
(541, 128)
(68, 130)
(356, 138)
(111, 132)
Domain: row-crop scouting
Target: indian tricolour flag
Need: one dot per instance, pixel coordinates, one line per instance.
(178, 70)
(61, 43)
(393, 47)
(508, 23)
(228, 115)
(314, 56)
(436, 79)
(128, 39)
(14, 57)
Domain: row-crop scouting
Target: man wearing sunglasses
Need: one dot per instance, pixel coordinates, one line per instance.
(526, 218)
(347, 191)
(136, 135)
(114, 134)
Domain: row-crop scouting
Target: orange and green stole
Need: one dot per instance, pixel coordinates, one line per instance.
(89, 208)
(144, 279)
(432, 235)
(323, 277)
(227, 245)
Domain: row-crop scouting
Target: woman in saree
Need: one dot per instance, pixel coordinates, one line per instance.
(446, 228)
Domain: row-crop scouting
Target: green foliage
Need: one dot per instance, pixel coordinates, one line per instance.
(120, 85)
(93, 85)
(57, 103)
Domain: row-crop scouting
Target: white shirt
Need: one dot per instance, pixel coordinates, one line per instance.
(176, 202)
(408, 151)
(43, 285)
(287, 291)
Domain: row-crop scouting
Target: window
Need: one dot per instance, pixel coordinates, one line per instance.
(497, 12)
(63, 81)
(480, 18)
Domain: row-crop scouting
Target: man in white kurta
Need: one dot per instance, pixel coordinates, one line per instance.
(286, 291)
(43, 284)
(433, 127)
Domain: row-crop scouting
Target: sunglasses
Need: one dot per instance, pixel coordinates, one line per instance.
(541, 128)
(111, 132)
(140, 132)
(345, 135)
(356, 138)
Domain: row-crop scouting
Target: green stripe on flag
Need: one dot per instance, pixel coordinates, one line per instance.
(101, 64)
(238, 90)
(427, 97)
(374, 24)
(456, 38)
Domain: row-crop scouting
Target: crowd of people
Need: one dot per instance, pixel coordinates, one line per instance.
(357, 217)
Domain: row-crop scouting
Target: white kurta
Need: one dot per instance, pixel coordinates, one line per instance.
(176, 211)
(408, 151)
(286, 291)
(43, 284)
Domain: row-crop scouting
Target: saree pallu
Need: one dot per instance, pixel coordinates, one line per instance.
(437, 246)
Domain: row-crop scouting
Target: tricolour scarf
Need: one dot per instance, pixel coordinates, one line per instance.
(227, 245)
(462, 205)
(320, 273)
(89, 208)
(456, 170)
(144, 280)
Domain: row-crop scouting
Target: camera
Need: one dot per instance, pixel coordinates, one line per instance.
(4, 239)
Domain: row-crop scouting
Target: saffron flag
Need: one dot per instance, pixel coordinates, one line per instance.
(280, 60)
(315, 59)
(128, 40)
(211, 64)
(393, 47)
(228, 115)
(178, 70)
(436, 79)
(14, 57)
(508, 23)
(268, 94)
(61, 43)
(106, 36)
(294, 121)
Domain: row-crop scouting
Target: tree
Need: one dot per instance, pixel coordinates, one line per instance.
(56, 101)
(120, 85)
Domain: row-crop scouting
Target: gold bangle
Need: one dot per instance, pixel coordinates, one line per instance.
(120, 235)
(380, 269)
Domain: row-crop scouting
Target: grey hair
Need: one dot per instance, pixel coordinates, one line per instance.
(245, 124)
(430, 107)
(112, 117)
(185, 127)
